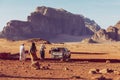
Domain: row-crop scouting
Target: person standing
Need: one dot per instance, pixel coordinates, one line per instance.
(42, 51)
(22, 53)
(33, 51)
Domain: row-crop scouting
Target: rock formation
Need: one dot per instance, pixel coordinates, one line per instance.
(88, 40)
(118, 29)
(101, 35)
(46, 23)
(117, 25)
(91, 24)
(111, 33)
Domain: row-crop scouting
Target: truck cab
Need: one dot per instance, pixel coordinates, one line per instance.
(60, 53)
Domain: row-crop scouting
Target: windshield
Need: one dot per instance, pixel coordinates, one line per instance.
(59, 49)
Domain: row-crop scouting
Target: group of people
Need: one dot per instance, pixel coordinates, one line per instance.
(32, 52)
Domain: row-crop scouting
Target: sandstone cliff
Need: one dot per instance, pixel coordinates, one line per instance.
(91, 24)
(112, 33)
(46, 23)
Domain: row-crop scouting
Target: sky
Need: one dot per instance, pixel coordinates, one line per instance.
(103, 12)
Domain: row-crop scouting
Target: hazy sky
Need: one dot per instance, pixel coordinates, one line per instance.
(104, 12)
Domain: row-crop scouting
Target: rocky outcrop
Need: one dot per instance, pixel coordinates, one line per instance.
(101, 35)
(117, 25)
(46, 23)
(118, 29)
(88, 40)
(91, 24)
(111, 33)
(17, 30)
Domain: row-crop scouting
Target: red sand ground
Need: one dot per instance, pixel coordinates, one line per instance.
(84, 57)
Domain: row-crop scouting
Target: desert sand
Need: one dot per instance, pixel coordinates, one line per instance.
(84, 58)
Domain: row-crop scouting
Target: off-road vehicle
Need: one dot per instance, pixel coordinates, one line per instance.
(60, 53)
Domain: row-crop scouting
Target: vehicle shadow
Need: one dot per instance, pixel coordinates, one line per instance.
(89, 53)
(86, 60)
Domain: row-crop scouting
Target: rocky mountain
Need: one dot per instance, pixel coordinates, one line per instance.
(101, 35)
(112, 33)
(91, 24)
(48, 23)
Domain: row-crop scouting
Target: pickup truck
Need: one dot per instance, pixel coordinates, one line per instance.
(60, 53)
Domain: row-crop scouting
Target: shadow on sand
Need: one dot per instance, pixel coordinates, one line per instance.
(16, 57)
(31, 78)
(88, 53)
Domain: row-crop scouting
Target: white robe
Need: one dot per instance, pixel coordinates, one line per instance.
(22, 53)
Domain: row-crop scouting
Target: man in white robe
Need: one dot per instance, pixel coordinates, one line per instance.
(22, 53)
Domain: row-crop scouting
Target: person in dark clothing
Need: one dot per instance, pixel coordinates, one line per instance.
(42, 51)
(33, 51)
